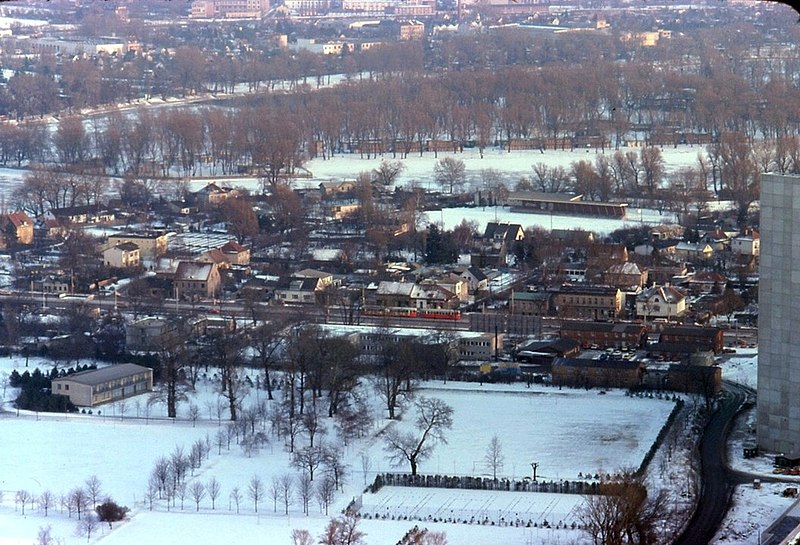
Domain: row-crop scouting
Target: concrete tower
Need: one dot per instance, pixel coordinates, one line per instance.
(779, 311)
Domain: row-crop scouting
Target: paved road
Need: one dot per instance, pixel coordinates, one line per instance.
(717, 479)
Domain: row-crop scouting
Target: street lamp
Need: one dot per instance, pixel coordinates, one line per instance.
(534, 466)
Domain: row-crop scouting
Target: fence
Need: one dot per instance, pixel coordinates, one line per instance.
(483, 483)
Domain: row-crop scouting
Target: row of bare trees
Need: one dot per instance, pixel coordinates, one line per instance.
(402, 113)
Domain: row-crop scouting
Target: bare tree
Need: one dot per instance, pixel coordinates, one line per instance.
(180, 491)
(285, 482)
(342, 531)
(79, 500)
(88, 525)
(255, 490)
(366, 464)
(94, 488)
(494, 456)
(450, 174)
(23, 497)
(45, 536)
(305, 489)
(193, 413)
(236, 498)
(387, 172)
(622, 512)
(326, 490)
(308, 459)
(302, 537)
(275, 493)
(198, 492)
(434, 416)
(213, 487)
(46, 500)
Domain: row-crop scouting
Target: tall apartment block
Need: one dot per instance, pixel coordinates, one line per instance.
(779, 307)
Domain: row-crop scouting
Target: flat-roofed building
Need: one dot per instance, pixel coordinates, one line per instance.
(90, 388)
(589, 302)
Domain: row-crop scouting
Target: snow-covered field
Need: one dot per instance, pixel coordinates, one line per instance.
(567, 432)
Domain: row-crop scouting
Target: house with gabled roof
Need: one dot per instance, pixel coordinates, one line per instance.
(196, 279)
(213, 194)
(701, 251)
(503, 233)
(625, 275)
(452, 283)
(299, 290)
(475, 278)
(337, 188)
(235, 253)
(706, 282)
(17, 228)
(666, 302)
(411, 295)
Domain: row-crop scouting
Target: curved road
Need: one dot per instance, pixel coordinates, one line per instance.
(717, 479)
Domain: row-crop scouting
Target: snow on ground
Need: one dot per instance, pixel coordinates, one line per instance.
(452, 217)
(566, 431)
(754, 509)
(420, 170)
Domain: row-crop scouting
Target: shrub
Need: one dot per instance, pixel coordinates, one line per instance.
(110, 512)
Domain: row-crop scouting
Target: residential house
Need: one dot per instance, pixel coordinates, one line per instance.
(17, 228)
(573, 236)
(235, 253)
(213, 195)
(452, 283)
(122, 255)
(748, 243)
(197, 280)
(530, 303)
(666, 231)
(706, 282)
(339, 210)
(150, 334)
(337, 188)
(694, 251)
(588, 373)
(80, 214)
(625, 276)
(497, 242)
(663, 302)
(90, 388)
(216, 256)
(605, 334)
(325, 278)
(588, 302)
(502, 233)
(53, 284)
(299, 290)
(664, 274)
(717, 239)
(151, 245)
(475, 278)
(410, 295)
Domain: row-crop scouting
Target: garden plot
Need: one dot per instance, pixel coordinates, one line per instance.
(483, 507)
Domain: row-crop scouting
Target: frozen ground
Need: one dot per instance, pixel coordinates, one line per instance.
(58, 453)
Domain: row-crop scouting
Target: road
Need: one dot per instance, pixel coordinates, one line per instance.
(717, 479)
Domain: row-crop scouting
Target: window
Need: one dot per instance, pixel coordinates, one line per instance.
(66, 386)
